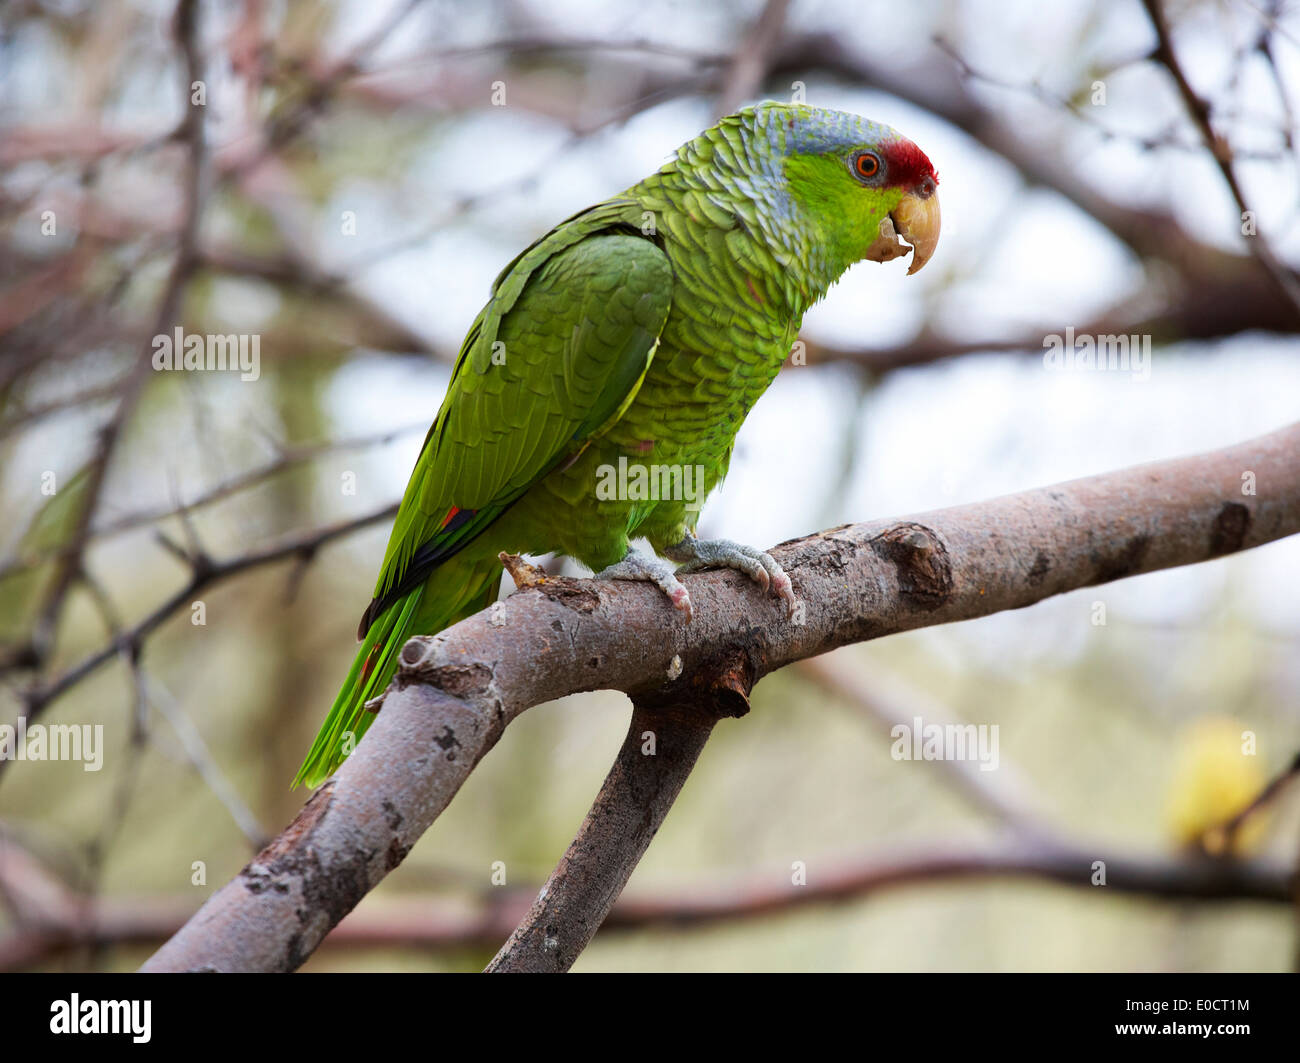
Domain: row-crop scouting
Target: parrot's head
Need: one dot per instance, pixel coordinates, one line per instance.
(833, 185)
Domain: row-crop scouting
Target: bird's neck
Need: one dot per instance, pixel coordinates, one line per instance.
(744, 246)
(737, 202)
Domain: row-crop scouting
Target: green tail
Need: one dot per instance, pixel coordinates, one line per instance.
(457, 589)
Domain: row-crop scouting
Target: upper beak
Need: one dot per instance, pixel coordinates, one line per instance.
(916, 220)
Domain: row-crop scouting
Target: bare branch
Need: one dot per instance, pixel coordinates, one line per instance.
(749, 65)
(203, 572)
(458, 690)
(51, 918)
(291, 456)
(661, 747)
(190, 132)
(1221, 150)
(889, 702)
(1267, 796)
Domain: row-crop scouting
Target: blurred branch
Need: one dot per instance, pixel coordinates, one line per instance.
(1215, 293)
(203, 572)
(375, 325)
(457, 691)
(890, 702)
(200, 758)
(749, 65)
(39, 411)
(289, 123)
(190, 133)
(290, 456)
(1263, 799)
(1221, 150)
(1035, 90)
(51, 918)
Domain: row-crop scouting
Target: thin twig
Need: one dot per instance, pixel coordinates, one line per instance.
(1221, 151)
(204, 572)
(190, 133)
(290, 457)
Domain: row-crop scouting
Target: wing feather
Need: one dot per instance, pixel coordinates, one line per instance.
(555, 357)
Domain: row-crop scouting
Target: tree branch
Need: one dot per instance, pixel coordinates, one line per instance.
(204, 572)
(190, 133)
(52, 919)
(288, 456)
(1221, 151)
(661, 747)
(749, 65)
(1009, 799)
(457, 691)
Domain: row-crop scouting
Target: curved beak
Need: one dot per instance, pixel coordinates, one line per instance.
(916, 221)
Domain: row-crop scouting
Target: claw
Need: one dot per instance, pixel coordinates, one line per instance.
(758, 565)
(639, 568)
(681, 600)
(784, 589)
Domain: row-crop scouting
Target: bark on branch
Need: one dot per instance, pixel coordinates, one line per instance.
(458, 690)
(662, 744)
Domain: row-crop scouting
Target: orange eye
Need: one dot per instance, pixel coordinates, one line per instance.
(866, 165)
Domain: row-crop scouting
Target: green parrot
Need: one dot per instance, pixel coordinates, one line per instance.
(597, 396)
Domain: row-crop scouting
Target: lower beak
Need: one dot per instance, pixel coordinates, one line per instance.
(916, 221)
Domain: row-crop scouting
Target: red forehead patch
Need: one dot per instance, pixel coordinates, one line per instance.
(908, 164)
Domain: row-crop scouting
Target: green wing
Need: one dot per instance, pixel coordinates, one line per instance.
(553, 360)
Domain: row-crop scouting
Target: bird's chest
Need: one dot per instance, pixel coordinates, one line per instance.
(715, 359)
(651, 471)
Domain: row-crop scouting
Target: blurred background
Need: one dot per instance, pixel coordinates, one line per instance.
(184, 556)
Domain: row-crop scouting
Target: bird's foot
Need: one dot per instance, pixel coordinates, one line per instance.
(654, 570)
(758, 565)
